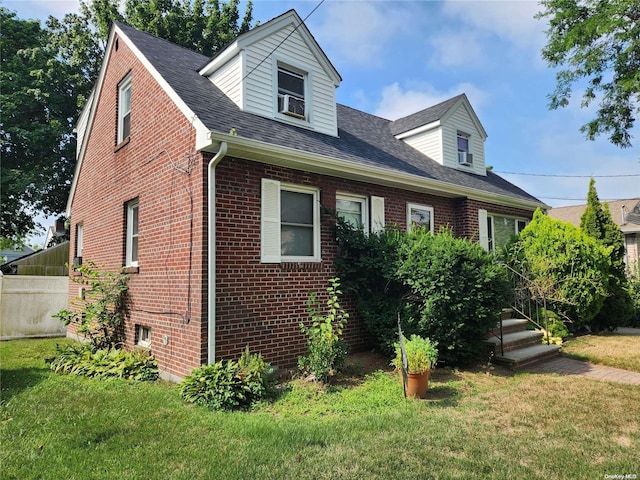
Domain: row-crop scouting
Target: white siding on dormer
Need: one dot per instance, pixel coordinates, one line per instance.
(429, 143)
(228, 78)
(461, 120)
(260, 88)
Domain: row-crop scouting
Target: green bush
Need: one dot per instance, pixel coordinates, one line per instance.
(367, 265)
(100, 314)
(567, 267)
(327, 351)
(80, 359)
(229, 385)
(634, 282)
(458, 288)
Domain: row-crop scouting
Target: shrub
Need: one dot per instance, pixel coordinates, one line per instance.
(634, 282)
(100, 315)
(229, 385)
(565, 265)
(327, 350)
(80, 359)
(597, 222)
(367, 265)
(458, 289)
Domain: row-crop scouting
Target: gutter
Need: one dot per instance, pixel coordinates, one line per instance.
(211, 296)
(312, 162)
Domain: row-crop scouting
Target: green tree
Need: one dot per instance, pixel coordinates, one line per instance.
(566, 265)
(38, 146)
(47, 75)
(597, 41)
(597, 222)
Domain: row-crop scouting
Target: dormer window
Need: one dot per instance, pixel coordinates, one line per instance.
(291, 92)
(465, 157)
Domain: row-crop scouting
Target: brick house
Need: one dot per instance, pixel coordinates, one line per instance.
(215, 183)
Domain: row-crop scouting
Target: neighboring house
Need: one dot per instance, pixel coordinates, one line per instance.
(48, 262)
(215, 183)
(625, 213)
(11, 254)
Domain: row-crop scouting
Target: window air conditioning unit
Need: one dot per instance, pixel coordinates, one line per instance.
(292, 106)
(465, 158)
(77, 261)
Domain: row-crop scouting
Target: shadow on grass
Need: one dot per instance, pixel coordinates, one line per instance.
(17, 380)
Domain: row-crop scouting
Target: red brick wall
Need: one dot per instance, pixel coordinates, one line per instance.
(167, 291)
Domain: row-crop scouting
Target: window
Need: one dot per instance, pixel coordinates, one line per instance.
(353, 210)
(144, 336)
(290, 224)
(77, 260)
(419, 215)
(79, 240)
(500, 229)
(465, 156)
(124, 109)
(132, 234)
(291, 92)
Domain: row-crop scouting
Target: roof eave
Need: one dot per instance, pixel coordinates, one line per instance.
(300, 160)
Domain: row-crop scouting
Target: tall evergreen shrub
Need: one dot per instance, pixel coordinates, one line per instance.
(596, 221)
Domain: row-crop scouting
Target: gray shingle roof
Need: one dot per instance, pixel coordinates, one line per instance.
(423, 117)
(362, 138)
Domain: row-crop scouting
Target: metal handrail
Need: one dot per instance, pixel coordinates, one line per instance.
(526, 304)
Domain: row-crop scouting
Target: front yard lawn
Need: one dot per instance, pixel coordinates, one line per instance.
(473, 425)
(613, 350)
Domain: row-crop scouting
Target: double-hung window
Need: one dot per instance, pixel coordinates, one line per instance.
(291, 92)
(124, 109)
(419, 216)
(465, 156)
(353, 210)
(290, 223)
(132, 238)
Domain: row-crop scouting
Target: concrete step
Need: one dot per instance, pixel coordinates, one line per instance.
(512, 325)
(516, 340)
(525, 357)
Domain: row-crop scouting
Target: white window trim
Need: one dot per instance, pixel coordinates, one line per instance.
(79, 239)
(304, 70)
(363, 201)
(270, 234)
(130, 206)
(122, 87)
(144, 336)
(420, 206)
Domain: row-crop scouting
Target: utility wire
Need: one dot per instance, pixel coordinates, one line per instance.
(569, 176)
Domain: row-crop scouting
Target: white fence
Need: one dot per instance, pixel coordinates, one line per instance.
(27, 304)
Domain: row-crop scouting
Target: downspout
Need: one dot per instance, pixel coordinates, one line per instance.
(211, 297)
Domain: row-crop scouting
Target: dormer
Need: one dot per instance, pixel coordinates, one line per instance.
(450, 133)
(278, 70)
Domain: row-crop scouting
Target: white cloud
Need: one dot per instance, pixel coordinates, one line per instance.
(455, 50)
(397, 102)
(513, 21)
(359, 32)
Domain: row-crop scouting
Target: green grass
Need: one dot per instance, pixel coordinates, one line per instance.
(473, 425)
(621, 351)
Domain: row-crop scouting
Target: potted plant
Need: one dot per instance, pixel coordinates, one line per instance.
(422, 355)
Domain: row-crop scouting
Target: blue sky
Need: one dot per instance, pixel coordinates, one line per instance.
(397, 57)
